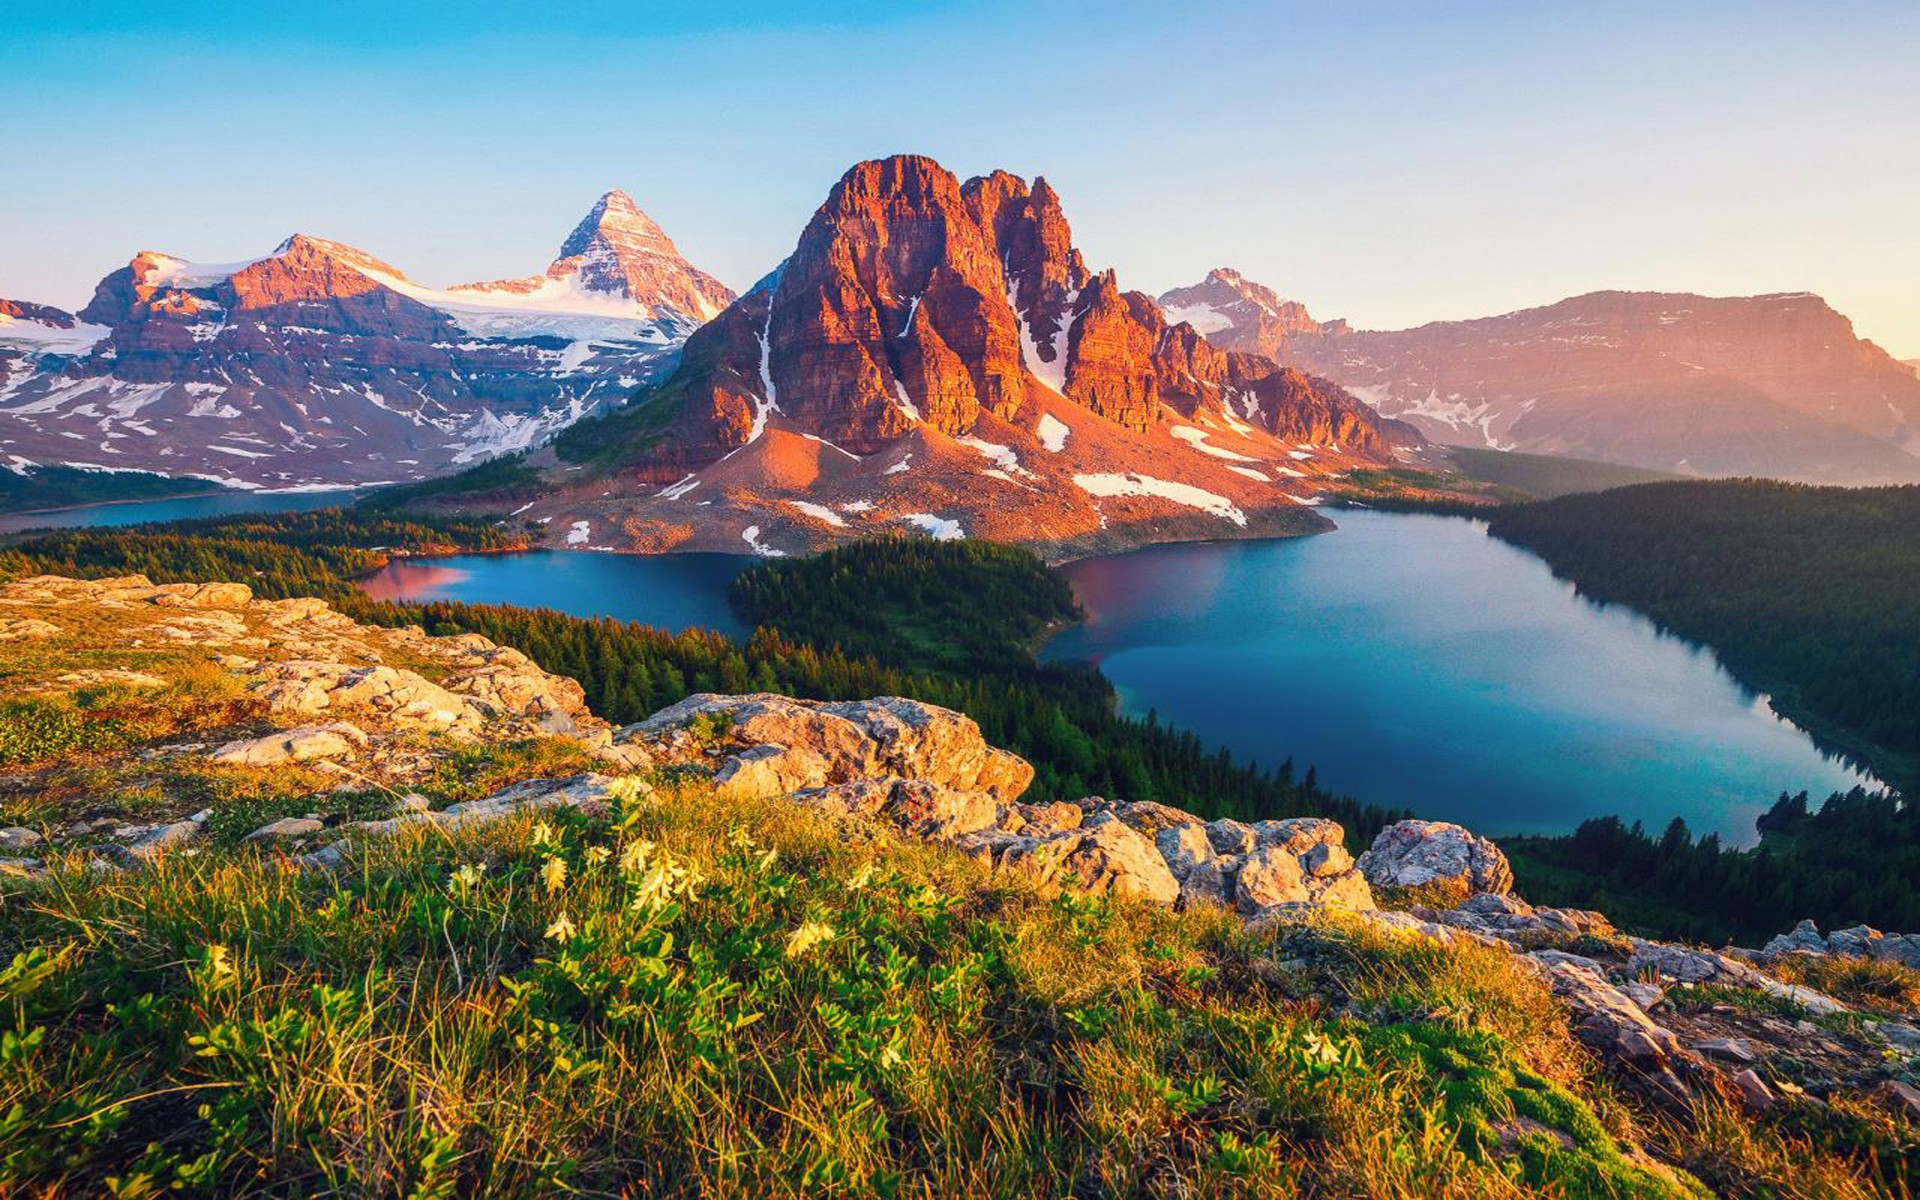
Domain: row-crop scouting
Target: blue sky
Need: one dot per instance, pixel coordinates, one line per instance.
(1391, 163)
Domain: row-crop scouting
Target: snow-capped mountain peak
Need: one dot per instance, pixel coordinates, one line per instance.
(318, 363)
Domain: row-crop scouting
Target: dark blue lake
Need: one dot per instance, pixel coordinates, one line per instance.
(670, 591)
(1419, 663)
(178, 508)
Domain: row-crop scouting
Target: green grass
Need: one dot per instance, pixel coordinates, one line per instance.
(1545, 476)
(676, 999)
(504, 478)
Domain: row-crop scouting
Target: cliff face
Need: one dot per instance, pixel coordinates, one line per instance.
(936, 353)
(320, 364)
(1752, 385)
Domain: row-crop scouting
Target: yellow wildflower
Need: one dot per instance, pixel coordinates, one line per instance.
(809, 935)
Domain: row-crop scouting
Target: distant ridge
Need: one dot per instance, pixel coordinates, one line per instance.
(1776, 385)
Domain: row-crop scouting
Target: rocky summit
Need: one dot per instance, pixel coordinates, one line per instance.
(319, 364)
(936, 355)
(1775, 385)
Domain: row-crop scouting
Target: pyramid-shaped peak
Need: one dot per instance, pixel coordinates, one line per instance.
(618, 250)
(615, 218)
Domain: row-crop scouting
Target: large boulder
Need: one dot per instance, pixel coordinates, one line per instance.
(335, 740)
(1803, 938)
(1299, 861)
(887, 737)
(1413, 854)
(1104, 857)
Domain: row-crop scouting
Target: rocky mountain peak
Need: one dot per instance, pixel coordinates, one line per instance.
(619, 251)
(617, 220)
(320, 363)
(1239, 314)
(925, 332)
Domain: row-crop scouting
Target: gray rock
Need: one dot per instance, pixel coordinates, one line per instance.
(154, 840)
(1184, 847)
(1755, 1095)
(1645, 994)
(1418, 853)
(1211, 884)
(336, 739)
(16, 838)
(1609, 1022)
(286, 827)
(22, 868)
(1229, 836)
(1903, 1098)
(1897, 947)
(1804, 938)
(1738, 1050)
(1857, 941)
(1100, 858)
(1301, 866)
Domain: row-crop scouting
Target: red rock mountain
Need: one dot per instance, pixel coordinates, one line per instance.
(1773, 385)
(937, 354)
(318, 364)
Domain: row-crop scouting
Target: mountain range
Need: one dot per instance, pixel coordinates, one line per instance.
(318, 364)
(1775, 385)
(936, 355)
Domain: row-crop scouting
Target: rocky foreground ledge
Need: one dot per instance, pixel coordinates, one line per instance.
(378, 708)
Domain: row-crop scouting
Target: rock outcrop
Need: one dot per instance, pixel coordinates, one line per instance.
(1858, 941)
(300, 658)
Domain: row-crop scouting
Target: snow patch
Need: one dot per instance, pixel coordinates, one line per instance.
(1134, 484)
(905, 401)
(1000, 456)
(1052, 432)
(579, 532)
(751, 536)
(1197, 438)
(1204, 317)
(941, 528)
(676, 490)
(820, 512)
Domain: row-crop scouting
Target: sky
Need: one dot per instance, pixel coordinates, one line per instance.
(1391, 163)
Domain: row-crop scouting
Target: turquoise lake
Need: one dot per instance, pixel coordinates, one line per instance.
(670, 591)
(1419, 663)
(1412, 660)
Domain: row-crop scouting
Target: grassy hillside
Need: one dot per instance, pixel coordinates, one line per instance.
(1545, 476)
(62, 487)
